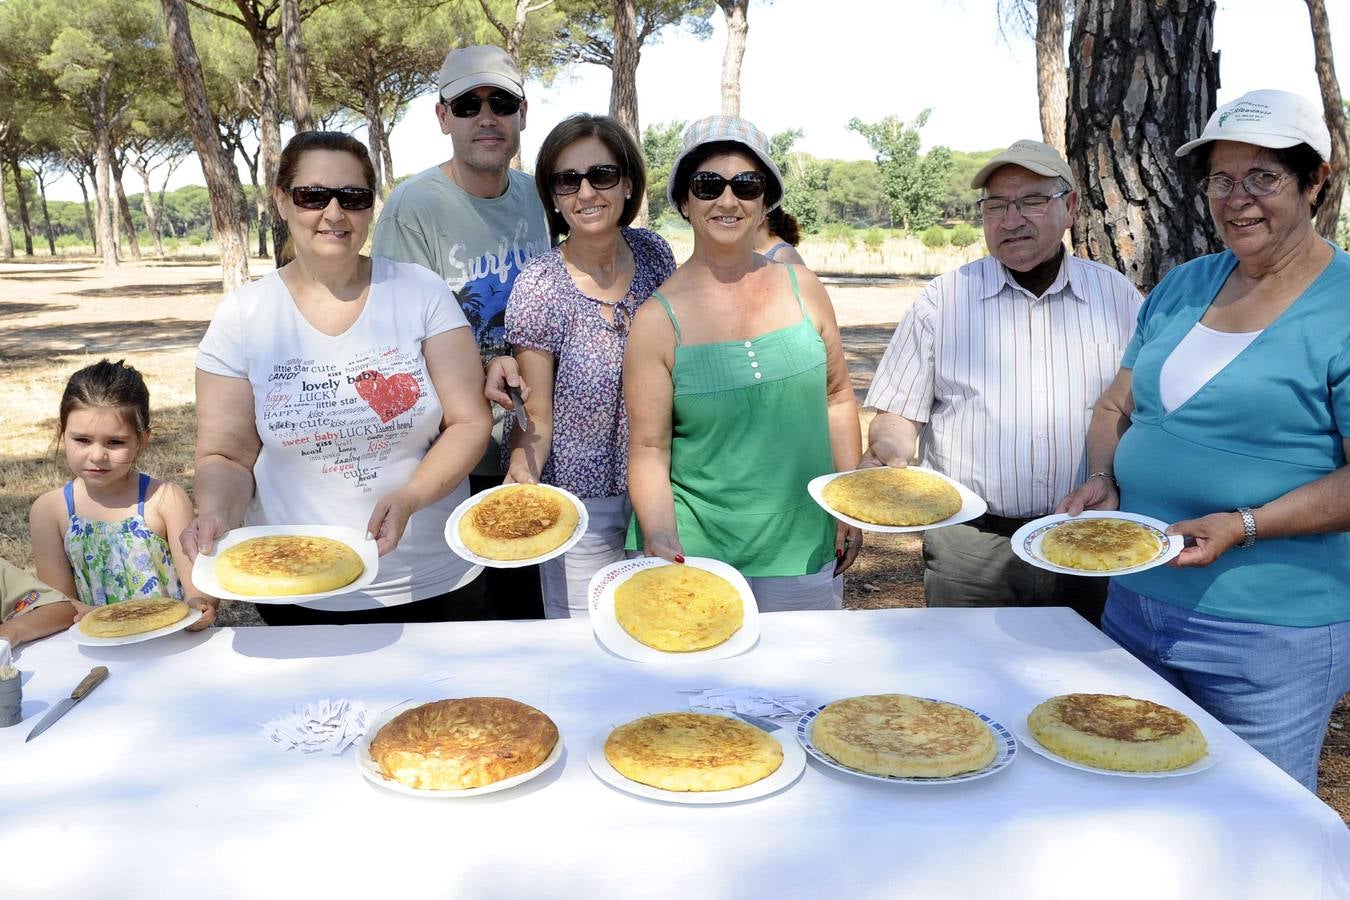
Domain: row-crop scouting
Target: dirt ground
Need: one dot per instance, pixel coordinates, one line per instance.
(57, 317)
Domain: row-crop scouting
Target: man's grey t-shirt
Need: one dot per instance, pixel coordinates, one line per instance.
(477, 245)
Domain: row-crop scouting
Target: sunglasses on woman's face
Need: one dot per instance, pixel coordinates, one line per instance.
(599, 177)
(350, 198)
(466, 106)
(710, 185)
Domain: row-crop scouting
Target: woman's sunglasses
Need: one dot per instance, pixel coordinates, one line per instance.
(599, 177)
(466, 106)
(351, 198)
(710, 185)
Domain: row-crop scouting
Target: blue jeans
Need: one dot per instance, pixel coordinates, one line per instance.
(1274, 685)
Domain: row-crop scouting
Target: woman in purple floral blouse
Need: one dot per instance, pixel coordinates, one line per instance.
(567, 320)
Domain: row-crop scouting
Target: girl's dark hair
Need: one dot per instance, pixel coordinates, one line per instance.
(617, 140)
(306, 141)
(784, 224)
(773, 191)
(108, 385)
(1301, 160)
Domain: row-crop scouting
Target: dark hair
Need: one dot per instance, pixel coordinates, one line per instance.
(1300, 160)
(107, 385)
(617, 140)
(306, 141)
(773, 192)
(784, 224)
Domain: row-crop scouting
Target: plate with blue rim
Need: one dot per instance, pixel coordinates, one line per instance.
(1005, 751)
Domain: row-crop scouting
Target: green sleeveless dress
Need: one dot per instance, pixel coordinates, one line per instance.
(750, 428)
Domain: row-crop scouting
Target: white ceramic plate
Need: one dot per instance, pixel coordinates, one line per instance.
(204, 569)
(88, 640)
(611, 634)
(371, 770)
(794, 763)
(452, 532)
(1026, 541)
(1024, 735)
(972, 505)
(1005, 752)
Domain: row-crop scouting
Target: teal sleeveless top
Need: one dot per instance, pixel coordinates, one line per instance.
(749, 429)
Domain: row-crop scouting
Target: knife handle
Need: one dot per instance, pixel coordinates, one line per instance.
(91, 681)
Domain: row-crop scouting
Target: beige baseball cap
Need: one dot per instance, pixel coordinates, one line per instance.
(1275, 119)
(481, 65)
(1032, 155)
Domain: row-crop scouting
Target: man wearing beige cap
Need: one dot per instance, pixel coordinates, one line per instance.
(990, 379)
(476, 222)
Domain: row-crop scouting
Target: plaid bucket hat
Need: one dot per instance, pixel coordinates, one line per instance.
(714, 129)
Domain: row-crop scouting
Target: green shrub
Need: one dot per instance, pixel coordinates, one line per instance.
(195, 240)
(934, 236)
(963, 235)
(873, 238)
(838, 232)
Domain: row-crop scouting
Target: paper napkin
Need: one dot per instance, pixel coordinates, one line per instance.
(324, 725)
(751, 701)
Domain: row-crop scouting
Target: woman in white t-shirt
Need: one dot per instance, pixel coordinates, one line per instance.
(342, 390)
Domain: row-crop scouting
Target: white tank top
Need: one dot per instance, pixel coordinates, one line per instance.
(1198, 358)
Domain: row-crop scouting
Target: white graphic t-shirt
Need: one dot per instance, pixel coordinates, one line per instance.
(345, 419)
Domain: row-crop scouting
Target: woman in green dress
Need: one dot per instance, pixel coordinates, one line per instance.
(737, 390)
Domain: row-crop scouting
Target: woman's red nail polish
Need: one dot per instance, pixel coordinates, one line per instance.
(679, 559)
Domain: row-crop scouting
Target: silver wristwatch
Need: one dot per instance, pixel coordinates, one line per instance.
(1248, 527)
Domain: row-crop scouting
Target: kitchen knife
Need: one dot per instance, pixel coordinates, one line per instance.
(91, 681)
(519, 411)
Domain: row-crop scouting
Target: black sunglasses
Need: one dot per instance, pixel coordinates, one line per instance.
(600, 178)
(313, 197)
(710, 185)
(466, 106)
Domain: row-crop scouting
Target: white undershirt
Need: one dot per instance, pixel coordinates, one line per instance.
(1196, 360)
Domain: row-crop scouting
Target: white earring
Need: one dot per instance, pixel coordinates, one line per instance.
(628, 196)
(555, 209)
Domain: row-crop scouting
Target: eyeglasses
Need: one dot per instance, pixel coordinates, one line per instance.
(1256, 184)
(600, 178)
(710, 185)
(351, 198)
(1032, 206)
(467, 106)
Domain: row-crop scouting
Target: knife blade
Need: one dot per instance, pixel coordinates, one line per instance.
(91, 681)
(519, 412)
(761, 724)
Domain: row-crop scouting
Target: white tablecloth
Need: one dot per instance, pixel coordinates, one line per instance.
(161, 785)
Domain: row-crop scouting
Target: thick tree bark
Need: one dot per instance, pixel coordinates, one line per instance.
(737, 29)
(269, 132)
(623, 101)
(297, 65)
(151, 212)
(21, 195)
(1052, 73)
(6, 236)
(1334, 110)
(128, 224)
(222, 179)
(370, 101)
(103, 194)
(1143, 83)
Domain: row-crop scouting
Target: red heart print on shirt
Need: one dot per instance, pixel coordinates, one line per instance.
(389, 397)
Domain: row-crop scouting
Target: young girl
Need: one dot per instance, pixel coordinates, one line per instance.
(112, 533)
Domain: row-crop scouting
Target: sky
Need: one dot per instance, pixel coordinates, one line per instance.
(815, 64)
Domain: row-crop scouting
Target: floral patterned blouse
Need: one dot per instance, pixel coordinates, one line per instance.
(548, 312)
(114, 561)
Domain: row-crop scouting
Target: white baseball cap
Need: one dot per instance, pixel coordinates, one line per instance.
(1275, 119)
(481, 65)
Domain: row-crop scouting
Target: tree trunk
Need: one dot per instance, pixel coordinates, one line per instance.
(103, 194)
(88, 214)
(370, 106)
(387, 158)
(133, 240)
(151, 212)
(269, 134)
(1334, 110)
(46, 218)
(1143, 83)
(22, 196)
(6, 236)
(1052, 75)
(623, 101)
(737, 29)
(222, 179)
(297, 65)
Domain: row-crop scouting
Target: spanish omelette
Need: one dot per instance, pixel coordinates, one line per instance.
(286, 565)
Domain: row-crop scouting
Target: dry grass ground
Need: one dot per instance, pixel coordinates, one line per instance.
(55, 318)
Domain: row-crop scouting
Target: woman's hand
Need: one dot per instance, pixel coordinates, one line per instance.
(519, 473)
(202, 532)
(1214, 535)
(389, 519)
(501, 372)
(1098, 492)
(208, 607)
(665, 544)
(848, 540)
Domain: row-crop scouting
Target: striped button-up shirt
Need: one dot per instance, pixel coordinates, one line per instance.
(1006, 381)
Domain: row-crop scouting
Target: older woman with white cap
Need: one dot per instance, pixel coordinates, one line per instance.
(1230, 418)
(737, 389)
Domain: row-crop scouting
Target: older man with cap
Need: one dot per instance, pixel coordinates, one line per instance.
(476, 222)
(990, 379)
